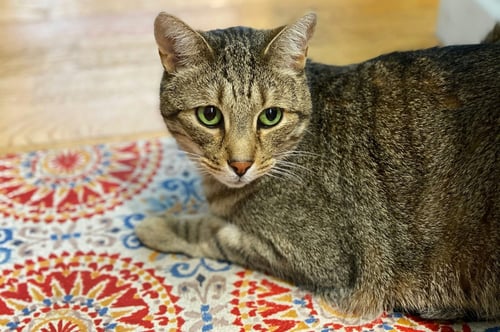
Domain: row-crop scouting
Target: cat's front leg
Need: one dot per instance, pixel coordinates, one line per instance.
(194, 235)
(208, 236)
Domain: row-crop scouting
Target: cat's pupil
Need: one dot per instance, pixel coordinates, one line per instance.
(210, 113)
(271, 114)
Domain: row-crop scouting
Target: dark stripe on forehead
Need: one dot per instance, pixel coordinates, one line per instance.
(251, 78)
(220, 95)
(237, 53)
(263, 94)
(235, 96)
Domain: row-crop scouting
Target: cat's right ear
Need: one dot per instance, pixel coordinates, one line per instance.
(288, 48)
(179, 45)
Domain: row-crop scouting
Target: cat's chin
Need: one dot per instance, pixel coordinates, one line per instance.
(235, 184)
(230, 179)
(231, 183)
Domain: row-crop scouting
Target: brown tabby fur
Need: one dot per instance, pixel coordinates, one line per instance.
(378, 189)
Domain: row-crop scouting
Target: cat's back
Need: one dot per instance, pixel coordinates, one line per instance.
(424, 103)
(420, 125)
(449, 78)
(419, 134)
(461, 72)
(417, 104)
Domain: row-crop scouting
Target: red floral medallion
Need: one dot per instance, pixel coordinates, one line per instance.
(69, 184)
(86, 292)
(264, 304)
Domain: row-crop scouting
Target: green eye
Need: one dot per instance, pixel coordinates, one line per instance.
(270, 116)
(209, 116)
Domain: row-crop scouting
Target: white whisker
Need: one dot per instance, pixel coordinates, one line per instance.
(276, 170)
(297, 153)
(291, 165)
(192, 156)
(271, 175)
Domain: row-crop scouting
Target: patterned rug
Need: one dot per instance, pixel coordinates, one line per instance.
(70, 262)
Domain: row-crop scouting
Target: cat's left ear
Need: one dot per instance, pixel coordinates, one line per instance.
(179, 45)
(288, 48)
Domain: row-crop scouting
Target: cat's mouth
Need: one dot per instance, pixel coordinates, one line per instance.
(232, 180)
(233, 176)
(237, 184)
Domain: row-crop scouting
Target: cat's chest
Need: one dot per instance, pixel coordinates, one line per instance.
(221, 199)
(222, 206)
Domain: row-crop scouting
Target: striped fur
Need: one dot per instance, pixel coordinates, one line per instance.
(378, 189)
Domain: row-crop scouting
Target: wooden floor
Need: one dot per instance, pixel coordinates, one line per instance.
(75, 72)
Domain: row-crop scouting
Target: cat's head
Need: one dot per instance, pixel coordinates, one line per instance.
(235, 99)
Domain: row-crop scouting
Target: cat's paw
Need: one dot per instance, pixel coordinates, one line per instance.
(158, 233)
(342, 315)
(350, 308)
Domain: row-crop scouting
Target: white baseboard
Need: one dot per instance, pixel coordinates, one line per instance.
(466, 21)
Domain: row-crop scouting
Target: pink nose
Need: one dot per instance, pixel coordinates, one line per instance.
(240, 167)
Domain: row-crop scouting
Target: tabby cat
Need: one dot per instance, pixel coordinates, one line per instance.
(374, 185)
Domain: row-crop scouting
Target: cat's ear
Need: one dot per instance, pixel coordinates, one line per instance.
(288, 48)
(179, 45)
